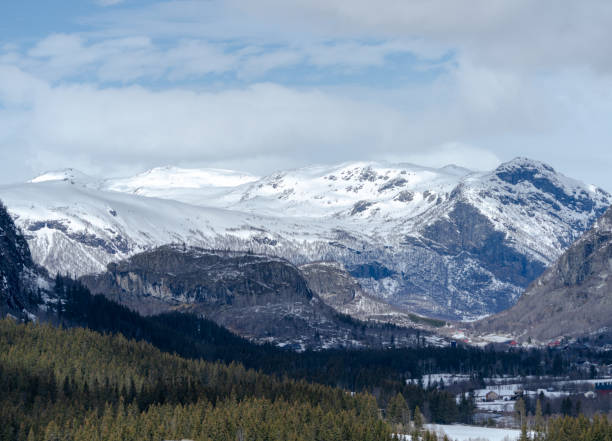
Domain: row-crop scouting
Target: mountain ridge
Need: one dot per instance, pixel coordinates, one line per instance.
(447, 242)
(263, 298)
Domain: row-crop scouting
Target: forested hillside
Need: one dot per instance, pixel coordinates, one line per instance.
(380, 372)
(79, 385)
(75, 384)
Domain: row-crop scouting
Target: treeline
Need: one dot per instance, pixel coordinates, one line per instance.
(250, 419)
(574, 429)
(77, 384)
(580, 428)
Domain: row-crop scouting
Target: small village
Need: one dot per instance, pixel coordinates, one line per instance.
(495, 399)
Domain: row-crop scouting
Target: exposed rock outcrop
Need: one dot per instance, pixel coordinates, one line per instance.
(340, 290)
(572, 298)
(260, 297)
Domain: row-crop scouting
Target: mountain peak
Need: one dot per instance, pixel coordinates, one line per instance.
(456, 170)
(540, 175)
(66, 174)
(524, 163)
(419, 223)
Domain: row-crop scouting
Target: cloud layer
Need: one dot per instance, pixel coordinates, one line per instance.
(265, 85)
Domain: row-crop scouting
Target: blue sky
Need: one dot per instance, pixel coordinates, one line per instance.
(115, 87)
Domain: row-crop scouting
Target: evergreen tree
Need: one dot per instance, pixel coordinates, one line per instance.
(52, 432)
(397, 410)
(418, 418)
(519, 411)
(539, 422)
(567, 406)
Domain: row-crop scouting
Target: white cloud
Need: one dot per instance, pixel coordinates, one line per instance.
(127, 59)
(132, 124)
(268, 126)
(451, 153)
(356, 54)
(516, 78)
(260, 62)
(517, 34)
(513, 34)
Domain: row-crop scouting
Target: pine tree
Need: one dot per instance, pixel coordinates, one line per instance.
(418, 418)
(566, 406)
(397, 410)
(539, 422)
(519, 410)
(52, 432)
(66, 390)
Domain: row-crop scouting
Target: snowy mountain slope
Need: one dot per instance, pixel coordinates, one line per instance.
(445, 242)
(315, 191)
(468, 241)
(540, 209)
(374, 194)
(66, 175)
(74, 228)
(192, 186)
(350, 191)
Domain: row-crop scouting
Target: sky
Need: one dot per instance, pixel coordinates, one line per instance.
(114, 87)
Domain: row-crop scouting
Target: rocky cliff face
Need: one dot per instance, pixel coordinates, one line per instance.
(334, 285)
(340, 290)
(17, 270)
(572, 298)
(260, 297)
(176, 275)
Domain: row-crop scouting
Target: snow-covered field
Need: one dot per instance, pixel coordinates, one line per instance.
(447, 379)
(457, 432)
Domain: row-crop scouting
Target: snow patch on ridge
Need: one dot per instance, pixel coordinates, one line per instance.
(174, 177)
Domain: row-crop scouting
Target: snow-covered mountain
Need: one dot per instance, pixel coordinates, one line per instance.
(192, 186)
(446, 242)
(311, 192)
(74, 227)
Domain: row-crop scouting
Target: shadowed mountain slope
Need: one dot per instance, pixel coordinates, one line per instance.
(572, 298)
